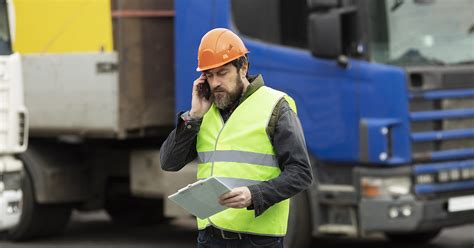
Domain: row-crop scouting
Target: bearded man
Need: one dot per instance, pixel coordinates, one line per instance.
(244, 131)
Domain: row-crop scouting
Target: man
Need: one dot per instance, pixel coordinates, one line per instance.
(244, 131)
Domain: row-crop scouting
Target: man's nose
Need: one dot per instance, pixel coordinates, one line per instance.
(213, 82)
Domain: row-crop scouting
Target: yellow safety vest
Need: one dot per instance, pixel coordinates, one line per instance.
(241, 150)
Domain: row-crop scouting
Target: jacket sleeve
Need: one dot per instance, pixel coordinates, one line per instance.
(290, 148)
(180, 147)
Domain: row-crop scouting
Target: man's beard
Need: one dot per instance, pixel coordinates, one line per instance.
(228, 99)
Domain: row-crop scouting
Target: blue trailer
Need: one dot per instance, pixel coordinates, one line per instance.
(385, 93)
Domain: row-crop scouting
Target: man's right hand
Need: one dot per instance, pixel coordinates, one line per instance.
(199, 105)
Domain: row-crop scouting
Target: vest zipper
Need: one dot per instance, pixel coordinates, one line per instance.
(215, 145)
(212, 166)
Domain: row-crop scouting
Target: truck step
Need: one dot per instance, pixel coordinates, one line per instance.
(338, 229)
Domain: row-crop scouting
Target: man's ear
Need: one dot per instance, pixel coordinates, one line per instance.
(243, 69)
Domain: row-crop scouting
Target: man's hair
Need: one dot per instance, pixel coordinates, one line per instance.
(238, 63)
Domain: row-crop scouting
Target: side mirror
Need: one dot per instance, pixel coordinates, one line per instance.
(332, 33)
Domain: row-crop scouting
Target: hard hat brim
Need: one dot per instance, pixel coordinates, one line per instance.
(205, 68)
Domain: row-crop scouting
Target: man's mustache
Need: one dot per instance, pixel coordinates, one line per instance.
(218, 89)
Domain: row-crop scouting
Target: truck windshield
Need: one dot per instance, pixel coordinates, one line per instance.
(5, 44)
(422, 32)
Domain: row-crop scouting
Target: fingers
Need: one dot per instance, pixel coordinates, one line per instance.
(196, 88)
(237, 198)
(199, 104)
(229, 195)
(236, 205)
(199, 80)
(239, 201)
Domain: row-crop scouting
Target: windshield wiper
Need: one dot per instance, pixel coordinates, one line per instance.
(396, 5)
(464, 62)
(399, 3)
(414, 57)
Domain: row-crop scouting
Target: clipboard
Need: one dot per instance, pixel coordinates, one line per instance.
(201, 197)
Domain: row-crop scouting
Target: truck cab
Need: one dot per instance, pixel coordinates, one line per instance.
(13, 128)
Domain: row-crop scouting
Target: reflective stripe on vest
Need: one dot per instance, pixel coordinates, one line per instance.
(241, 151)
(237, 156)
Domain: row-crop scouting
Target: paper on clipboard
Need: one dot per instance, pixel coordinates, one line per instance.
(201, 197)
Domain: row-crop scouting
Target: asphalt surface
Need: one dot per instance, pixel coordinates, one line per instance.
(95, 230)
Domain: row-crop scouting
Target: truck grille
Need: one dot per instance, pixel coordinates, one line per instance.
(442, 113)
(442, 127)
(4, 107)
(21, 129)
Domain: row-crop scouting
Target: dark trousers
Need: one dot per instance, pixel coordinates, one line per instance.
(207, 239)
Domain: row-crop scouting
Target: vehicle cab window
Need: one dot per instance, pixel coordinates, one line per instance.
(274, 21)
(5, 42)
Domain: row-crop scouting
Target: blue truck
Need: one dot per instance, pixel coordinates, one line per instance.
(384, 90)
(385, 93)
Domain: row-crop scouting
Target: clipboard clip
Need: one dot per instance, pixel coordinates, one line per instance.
(190, 186)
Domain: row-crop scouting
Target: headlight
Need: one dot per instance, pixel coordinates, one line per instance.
(12, 181)
(425, 178)
(390, 186)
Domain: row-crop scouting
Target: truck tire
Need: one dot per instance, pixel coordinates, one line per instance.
(299, 222)
(126, 209)
(415, 237)
(38, 220)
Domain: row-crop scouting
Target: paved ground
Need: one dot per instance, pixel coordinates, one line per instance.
(96, 231)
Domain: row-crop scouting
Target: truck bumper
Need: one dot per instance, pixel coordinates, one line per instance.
(10, 209)
(10, 191)
(412, 214)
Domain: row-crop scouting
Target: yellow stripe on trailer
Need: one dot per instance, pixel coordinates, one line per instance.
(62, 26)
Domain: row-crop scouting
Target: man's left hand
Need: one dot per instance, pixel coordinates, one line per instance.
(237, 198)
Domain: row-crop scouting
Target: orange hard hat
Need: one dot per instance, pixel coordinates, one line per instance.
(218, 47)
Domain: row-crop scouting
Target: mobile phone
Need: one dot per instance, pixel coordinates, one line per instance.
(204, 90)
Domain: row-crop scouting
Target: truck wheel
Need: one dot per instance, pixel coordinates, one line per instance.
(125, 209)
(416, 237)
(299, 222)
(38, 220)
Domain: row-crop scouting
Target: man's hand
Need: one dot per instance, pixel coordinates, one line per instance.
(199, 105)
(237, 198)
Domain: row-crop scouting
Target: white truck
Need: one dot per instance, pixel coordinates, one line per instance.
(13, 136)
(100, 104)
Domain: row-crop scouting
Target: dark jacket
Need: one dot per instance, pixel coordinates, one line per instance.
(287, 138)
